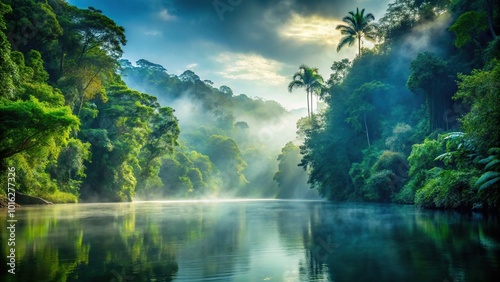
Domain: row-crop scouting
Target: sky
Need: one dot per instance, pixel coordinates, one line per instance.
(252, 46)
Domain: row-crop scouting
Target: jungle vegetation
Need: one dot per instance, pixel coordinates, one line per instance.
(413, 120)
(416, 118)
(80, 123)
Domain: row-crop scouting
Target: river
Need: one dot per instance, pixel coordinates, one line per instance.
(250, 240)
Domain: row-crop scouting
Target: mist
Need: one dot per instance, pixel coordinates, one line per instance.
(210, 119)
(260, 129)
(196, 159)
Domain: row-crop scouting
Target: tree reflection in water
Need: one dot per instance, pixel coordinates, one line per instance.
(251, 241)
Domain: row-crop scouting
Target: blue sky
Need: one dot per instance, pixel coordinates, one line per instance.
(253, 46)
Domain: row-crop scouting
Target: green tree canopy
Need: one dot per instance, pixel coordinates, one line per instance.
(468, 27)
(481, 91)
(311, 80)
(32, 125)
(429, 76)
(358, 25)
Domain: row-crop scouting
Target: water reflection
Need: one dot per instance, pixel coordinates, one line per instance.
(251, 241)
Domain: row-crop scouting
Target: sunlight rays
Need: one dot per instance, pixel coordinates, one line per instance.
(310, 30)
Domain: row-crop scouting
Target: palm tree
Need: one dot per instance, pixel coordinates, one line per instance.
(358, 25)
(310, 79)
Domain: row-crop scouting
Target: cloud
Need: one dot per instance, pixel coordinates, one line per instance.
(191, 66)
(286, 33)
(249, 67)
(311, 30)
(166, 16)
(152, 33)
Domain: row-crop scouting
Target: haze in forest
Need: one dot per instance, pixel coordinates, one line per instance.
(252, 46)
(369, 101)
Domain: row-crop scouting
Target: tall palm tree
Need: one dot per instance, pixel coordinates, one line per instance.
(358, 25)
(311, 80)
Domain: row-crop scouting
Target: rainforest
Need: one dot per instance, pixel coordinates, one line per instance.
(413, 119)
(212, 116)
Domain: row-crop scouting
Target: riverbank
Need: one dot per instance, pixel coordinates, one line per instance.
(23, 199)
(4, 202)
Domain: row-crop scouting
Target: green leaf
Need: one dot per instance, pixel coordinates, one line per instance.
(486, 177)
(443, 157)
(489, 183)
(492, 163)
(494, 150)
(486, 160)
(467, 27)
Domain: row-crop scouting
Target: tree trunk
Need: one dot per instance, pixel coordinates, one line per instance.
(490, 5)
(359, 45)
(61, 64)
(434, 119)
(24, 199)
(366, 130)
(312, 103)
(308, 108)
(316, 95)
(83, 93)
(81, 105)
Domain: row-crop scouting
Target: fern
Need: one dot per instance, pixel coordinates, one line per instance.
(492, 163)
(458, 146)
(491, 175)
(486, 160)
(487, 179)
(489, 183)
(445, 157)
(494, 150)
(453, 135)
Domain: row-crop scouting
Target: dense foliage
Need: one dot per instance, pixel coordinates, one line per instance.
(412, 120)
(238, 136)
(75, 127)
(416, 118)
(68, 121)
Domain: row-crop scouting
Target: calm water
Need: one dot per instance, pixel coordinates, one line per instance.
(251, 241)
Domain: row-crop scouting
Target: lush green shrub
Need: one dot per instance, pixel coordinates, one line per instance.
(393, 161)
(423, 156)
(401, 138)
(489, 181)
(447, 189)
(381, 186)
(407, 194)
(59, 197)
(360, 172)
(421, 160)
(489, 199)
(481, 91)
(385, 177)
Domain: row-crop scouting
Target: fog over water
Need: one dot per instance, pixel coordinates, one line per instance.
(249, 140)
(254, 240)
